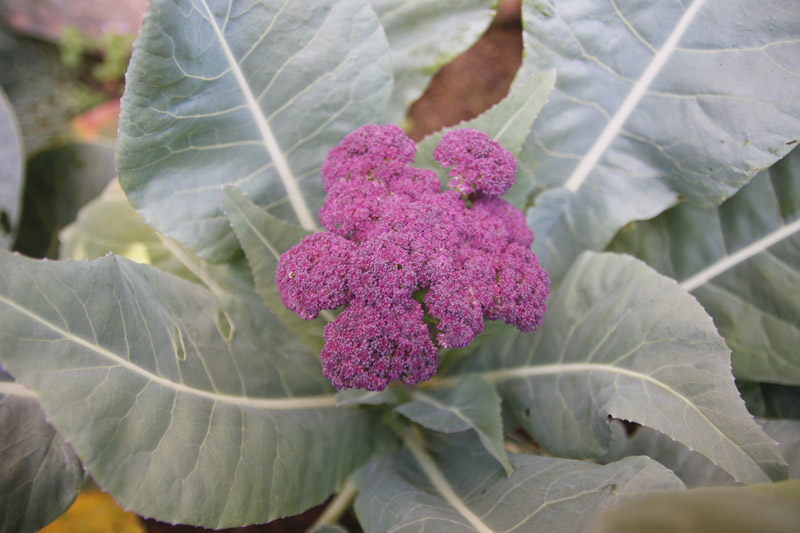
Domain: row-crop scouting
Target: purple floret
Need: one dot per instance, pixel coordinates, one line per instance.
(521, 289)
(459, 299)
(352, 208)
(311, 276)
(480, 164)
(376, 152)
(395, 238)
(501, 219)
(382, 271)
(368, 346)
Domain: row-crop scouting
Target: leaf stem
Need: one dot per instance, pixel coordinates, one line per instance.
(339, 504)
(441, 484)
(192, 266)
(12, 388)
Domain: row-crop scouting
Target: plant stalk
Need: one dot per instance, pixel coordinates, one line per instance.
(338, 506)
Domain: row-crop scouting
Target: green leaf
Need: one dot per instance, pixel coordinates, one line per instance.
(770, 400)
(472, 404)
(392, 395)
(264, 239)
(787, 433)
(108, 224)
(40, 475)
(423, 37)
(771, 507)
(654, 101)
(247, 93)
(10, 171)
(458, 487)
(692, 468)
(741, 261)
(178, 418)
(58, 183)
(619, 339)
(507, 122)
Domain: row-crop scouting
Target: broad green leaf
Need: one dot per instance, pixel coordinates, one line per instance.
(769, 400)
(58, 183)
(654, 101)
(787, 433)
(472, 404)
(425, 35)
(245, 93)
(108, 224)
(392, 395)
(507, 122)
(742, 262)
(10, 171)
(692, 468)
(770, 507)
(40, 475)
(264, 239)
(179, 415)
(458, 487)
(619, 339)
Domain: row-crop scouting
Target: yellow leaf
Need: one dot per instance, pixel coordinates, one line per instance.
(95, 512)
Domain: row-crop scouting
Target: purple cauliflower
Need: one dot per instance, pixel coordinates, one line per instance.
(395, 239)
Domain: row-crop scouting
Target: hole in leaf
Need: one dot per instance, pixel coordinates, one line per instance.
(177, 342)
(225, 325)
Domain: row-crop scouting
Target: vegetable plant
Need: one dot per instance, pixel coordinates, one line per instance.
(650, 146)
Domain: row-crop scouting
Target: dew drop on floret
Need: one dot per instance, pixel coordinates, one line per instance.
(402, 255)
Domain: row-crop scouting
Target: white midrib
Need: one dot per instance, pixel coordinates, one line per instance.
(296, 198)
(9, 388)
(308, 402)
(442, 486)
(614, 126)
(730, 261)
